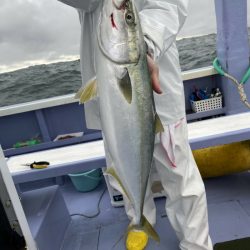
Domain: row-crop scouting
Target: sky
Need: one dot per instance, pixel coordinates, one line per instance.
(43, 31)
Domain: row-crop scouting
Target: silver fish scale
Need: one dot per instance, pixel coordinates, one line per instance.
(129, 128)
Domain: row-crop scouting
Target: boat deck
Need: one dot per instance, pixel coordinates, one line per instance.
(228, 208)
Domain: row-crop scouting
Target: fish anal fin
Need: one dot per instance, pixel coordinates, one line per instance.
(88, 91)
(125, 86)
(112, 172)
(158, 125)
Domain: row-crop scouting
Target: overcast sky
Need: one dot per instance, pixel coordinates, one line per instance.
(42, 31)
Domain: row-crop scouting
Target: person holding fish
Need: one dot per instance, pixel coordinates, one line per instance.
(127, 49)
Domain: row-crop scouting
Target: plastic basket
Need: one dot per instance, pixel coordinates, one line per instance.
(86, 181)
(206, 105)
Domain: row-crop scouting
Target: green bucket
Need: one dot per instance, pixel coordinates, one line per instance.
(86, 181)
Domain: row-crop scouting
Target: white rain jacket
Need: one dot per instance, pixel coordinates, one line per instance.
(186, 205)
(161, 21)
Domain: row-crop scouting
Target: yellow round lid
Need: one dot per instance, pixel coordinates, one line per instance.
(136, 240)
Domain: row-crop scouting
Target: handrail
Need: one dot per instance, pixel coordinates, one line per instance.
(197, 73)
(35, 105)
(66, 99)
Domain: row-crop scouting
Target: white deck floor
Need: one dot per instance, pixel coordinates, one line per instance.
(228, 210)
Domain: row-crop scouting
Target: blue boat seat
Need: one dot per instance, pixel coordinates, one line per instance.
(86, 156)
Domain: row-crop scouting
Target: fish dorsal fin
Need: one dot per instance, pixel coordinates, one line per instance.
(158, 125)
(88, 91)
(145, 227)
(111, 172)
(125, 86)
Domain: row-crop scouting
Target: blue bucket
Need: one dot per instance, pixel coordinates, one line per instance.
(86, 181)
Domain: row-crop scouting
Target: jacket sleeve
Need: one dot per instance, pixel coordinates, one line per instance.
(161, 20)
(86, 5)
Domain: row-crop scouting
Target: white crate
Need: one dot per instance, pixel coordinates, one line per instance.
(117, 199)
(206, 105)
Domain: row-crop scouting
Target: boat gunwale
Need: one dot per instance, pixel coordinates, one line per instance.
(67, 99)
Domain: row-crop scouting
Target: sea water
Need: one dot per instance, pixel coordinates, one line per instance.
(50, 80)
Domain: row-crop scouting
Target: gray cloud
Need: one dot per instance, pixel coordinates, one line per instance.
(47, 30)
(37, 30)
(201, 18)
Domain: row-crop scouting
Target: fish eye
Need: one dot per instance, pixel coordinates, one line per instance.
(129, 17)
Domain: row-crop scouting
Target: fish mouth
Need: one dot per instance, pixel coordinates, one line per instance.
(119, 4)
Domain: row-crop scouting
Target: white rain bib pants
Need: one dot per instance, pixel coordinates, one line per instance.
(186, 204)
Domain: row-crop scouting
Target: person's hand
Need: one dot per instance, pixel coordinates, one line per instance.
(154, 72)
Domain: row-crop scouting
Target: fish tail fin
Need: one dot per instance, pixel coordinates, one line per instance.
(149, 229)
(137, 236)
(87, 92)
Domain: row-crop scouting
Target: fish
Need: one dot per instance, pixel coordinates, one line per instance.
(127, 111)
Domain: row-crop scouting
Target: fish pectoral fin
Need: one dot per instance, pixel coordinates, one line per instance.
(125, 86)
(111, 172)
(87, 92)
(145, 227)
(158, 124)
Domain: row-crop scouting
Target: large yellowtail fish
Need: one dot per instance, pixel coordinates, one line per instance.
(128, 118)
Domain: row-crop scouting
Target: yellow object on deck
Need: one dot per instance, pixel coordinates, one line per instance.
(136, 240)
(223, 159)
